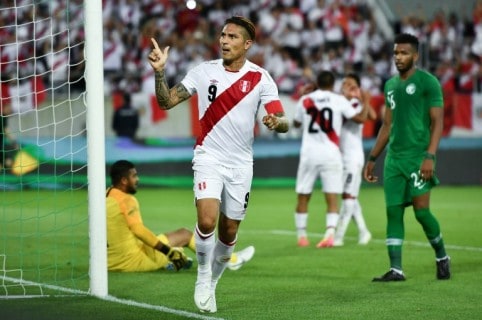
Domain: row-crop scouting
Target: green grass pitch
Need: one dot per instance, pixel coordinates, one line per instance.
(282, 281)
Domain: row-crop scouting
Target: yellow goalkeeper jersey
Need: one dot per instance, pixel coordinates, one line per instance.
(126, 252)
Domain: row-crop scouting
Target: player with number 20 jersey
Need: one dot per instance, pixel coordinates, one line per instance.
(321, 113)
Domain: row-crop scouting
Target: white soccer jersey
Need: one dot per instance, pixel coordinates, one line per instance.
(228, 103)
(351, 137)
(321, 113)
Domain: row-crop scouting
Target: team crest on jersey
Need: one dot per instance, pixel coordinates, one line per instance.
(244, 86)
(411, 88)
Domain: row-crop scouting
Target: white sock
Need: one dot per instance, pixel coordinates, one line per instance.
(346, 212)
(331, 222)
(204, 252)
(221, 256)
(301, 221)
(358, 217)
(397, 271)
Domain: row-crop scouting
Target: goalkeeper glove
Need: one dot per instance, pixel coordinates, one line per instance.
(175, 255)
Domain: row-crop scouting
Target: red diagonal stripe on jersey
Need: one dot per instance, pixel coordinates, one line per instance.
(308, 103)
(333, 137)
(227, 101)
(331, 134)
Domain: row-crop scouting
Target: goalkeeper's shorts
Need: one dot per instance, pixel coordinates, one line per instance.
(145, 259)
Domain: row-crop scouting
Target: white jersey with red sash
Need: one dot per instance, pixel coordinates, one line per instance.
(351, 136)
(321, 113)
(228, 103)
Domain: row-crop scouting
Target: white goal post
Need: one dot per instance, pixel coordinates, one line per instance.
(52, 159)
(96, 147)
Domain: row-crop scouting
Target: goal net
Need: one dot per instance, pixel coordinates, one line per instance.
(44, 209)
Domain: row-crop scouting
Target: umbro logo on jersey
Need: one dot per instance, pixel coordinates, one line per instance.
(244, 85)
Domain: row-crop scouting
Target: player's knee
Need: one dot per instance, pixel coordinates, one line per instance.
(395, 212)
(421, 213)
(206, 226)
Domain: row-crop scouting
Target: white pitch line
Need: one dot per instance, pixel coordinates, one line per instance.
(109, 298)
(191, 315)
(292, 233)
(186, 314)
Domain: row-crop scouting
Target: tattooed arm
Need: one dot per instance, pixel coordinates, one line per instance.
(166, 98)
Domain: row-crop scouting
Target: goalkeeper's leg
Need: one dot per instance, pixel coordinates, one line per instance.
(181, 238)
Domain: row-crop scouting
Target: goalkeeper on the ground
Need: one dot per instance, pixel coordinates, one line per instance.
(131, 246)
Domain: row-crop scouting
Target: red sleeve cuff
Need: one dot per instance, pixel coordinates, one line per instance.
(274, 107)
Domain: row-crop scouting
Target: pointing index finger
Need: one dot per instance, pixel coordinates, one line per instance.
(154, 43)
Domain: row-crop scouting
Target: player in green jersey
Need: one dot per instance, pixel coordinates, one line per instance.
(412, 128)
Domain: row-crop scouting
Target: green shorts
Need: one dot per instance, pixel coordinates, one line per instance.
(402, 181)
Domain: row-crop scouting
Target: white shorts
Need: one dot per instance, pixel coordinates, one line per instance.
(231, 186)
(331, 175)
(352, 178)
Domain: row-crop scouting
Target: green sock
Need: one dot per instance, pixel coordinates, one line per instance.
(431, 228)
(395, 255)
(395, 235)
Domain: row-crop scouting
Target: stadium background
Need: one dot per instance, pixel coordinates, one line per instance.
(327, 285)
(300, 38)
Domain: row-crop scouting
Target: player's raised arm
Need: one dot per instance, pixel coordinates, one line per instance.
(166, 98)
(158, 57)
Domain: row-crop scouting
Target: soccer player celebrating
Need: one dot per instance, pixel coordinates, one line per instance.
(132, 247)
(412, 128)
(230, 91)
(320, 114)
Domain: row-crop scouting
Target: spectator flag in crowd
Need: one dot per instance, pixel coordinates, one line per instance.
(468, 113)
(23, 95)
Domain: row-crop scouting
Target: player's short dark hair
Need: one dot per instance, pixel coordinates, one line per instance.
(245, 23)
(407, 38)
(119, 170)
(325, 79)
(355, 77)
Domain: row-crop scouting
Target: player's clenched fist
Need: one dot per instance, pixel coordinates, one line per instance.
(270, 121)
(368, 172)
(157, 57)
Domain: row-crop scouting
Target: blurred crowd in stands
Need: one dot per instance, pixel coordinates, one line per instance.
(295, 40)
(42, 38)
